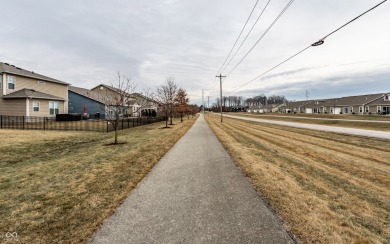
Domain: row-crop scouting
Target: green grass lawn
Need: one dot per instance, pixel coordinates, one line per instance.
(58, 187)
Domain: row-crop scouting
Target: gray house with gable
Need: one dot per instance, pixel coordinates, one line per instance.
(80, 98)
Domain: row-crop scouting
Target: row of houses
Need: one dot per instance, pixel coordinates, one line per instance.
(363, 104)
(26, 93)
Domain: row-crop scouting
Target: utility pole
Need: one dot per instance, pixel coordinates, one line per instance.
(220, 87)
(202, 102)
(208, 103)
(307, 94)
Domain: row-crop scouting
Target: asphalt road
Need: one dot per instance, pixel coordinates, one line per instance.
(342, 130)
(195, 194)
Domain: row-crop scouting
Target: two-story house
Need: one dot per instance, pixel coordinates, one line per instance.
(134, 104)
(25, 93)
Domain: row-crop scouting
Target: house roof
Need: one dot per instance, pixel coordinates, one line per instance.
(12, 69)
(132, 95)
(298, 104)
(353, 100)
(29, 93)
(381, 101)
(86, 93)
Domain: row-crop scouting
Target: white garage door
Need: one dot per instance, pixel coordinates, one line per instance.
(309, 110)
(337, 110)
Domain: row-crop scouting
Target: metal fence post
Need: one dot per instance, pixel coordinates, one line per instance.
(44, 123)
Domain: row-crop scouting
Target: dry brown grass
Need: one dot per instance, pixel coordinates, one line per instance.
(331, 120)
(325, 116)
(329, 188)
(58, 187)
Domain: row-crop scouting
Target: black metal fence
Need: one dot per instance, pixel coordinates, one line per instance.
(50, 123)
(133, 122)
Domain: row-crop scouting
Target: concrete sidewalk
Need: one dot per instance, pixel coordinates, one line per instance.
(195, 194)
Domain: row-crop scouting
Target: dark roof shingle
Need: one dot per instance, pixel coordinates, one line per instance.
(29, 93)
(11, 69)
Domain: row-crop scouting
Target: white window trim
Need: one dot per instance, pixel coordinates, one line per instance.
(367, 109)
(54, 107)
(1, 81)
(9, 77)
(378, 109)
(34, 103)
(41, 82)
(361, 109)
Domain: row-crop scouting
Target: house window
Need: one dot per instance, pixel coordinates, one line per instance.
(386, 98)
(1, 80)
(378, 109)
(36, 106)
(54, 107)
(11, 82)
(41, 82)
(367, 109)
(351, 108)
(360, 109)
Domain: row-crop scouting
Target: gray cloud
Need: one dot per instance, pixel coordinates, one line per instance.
(86, 42)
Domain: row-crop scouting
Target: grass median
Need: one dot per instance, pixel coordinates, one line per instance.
(58, 187)
(329, 188)
(347, 120)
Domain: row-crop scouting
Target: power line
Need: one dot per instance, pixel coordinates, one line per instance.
(272, 68)
(250, 50)
(320, 42)
(234, 45)
(247, 35)
(353, 19)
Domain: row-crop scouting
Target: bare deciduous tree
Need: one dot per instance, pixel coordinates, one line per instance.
(166, 94)
(117, 101)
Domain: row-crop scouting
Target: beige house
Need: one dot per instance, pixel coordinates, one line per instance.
(352, 105)
(134, 104)
(380, 105)
(25, 93)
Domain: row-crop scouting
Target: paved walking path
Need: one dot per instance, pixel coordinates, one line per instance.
(195, 194)
(343, 130)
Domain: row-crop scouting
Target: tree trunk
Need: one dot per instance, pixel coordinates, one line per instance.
(166, 119)
(171, 110)
(181, 117)
(116, 132)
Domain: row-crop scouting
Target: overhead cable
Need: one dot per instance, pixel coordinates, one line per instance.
(246, 37)
(235, 43)
(266, 31)
(320, 42)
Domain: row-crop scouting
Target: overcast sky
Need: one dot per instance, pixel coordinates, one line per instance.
(85, 42)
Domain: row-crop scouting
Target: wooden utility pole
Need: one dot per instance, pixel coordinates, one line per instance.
(220, 87)
(208, 103)
(202, 102)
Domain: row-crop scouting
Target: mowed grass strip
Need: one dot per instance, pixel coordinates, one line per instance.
(324, 116)
(330, 188)
(385, 126)
(58, 187)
